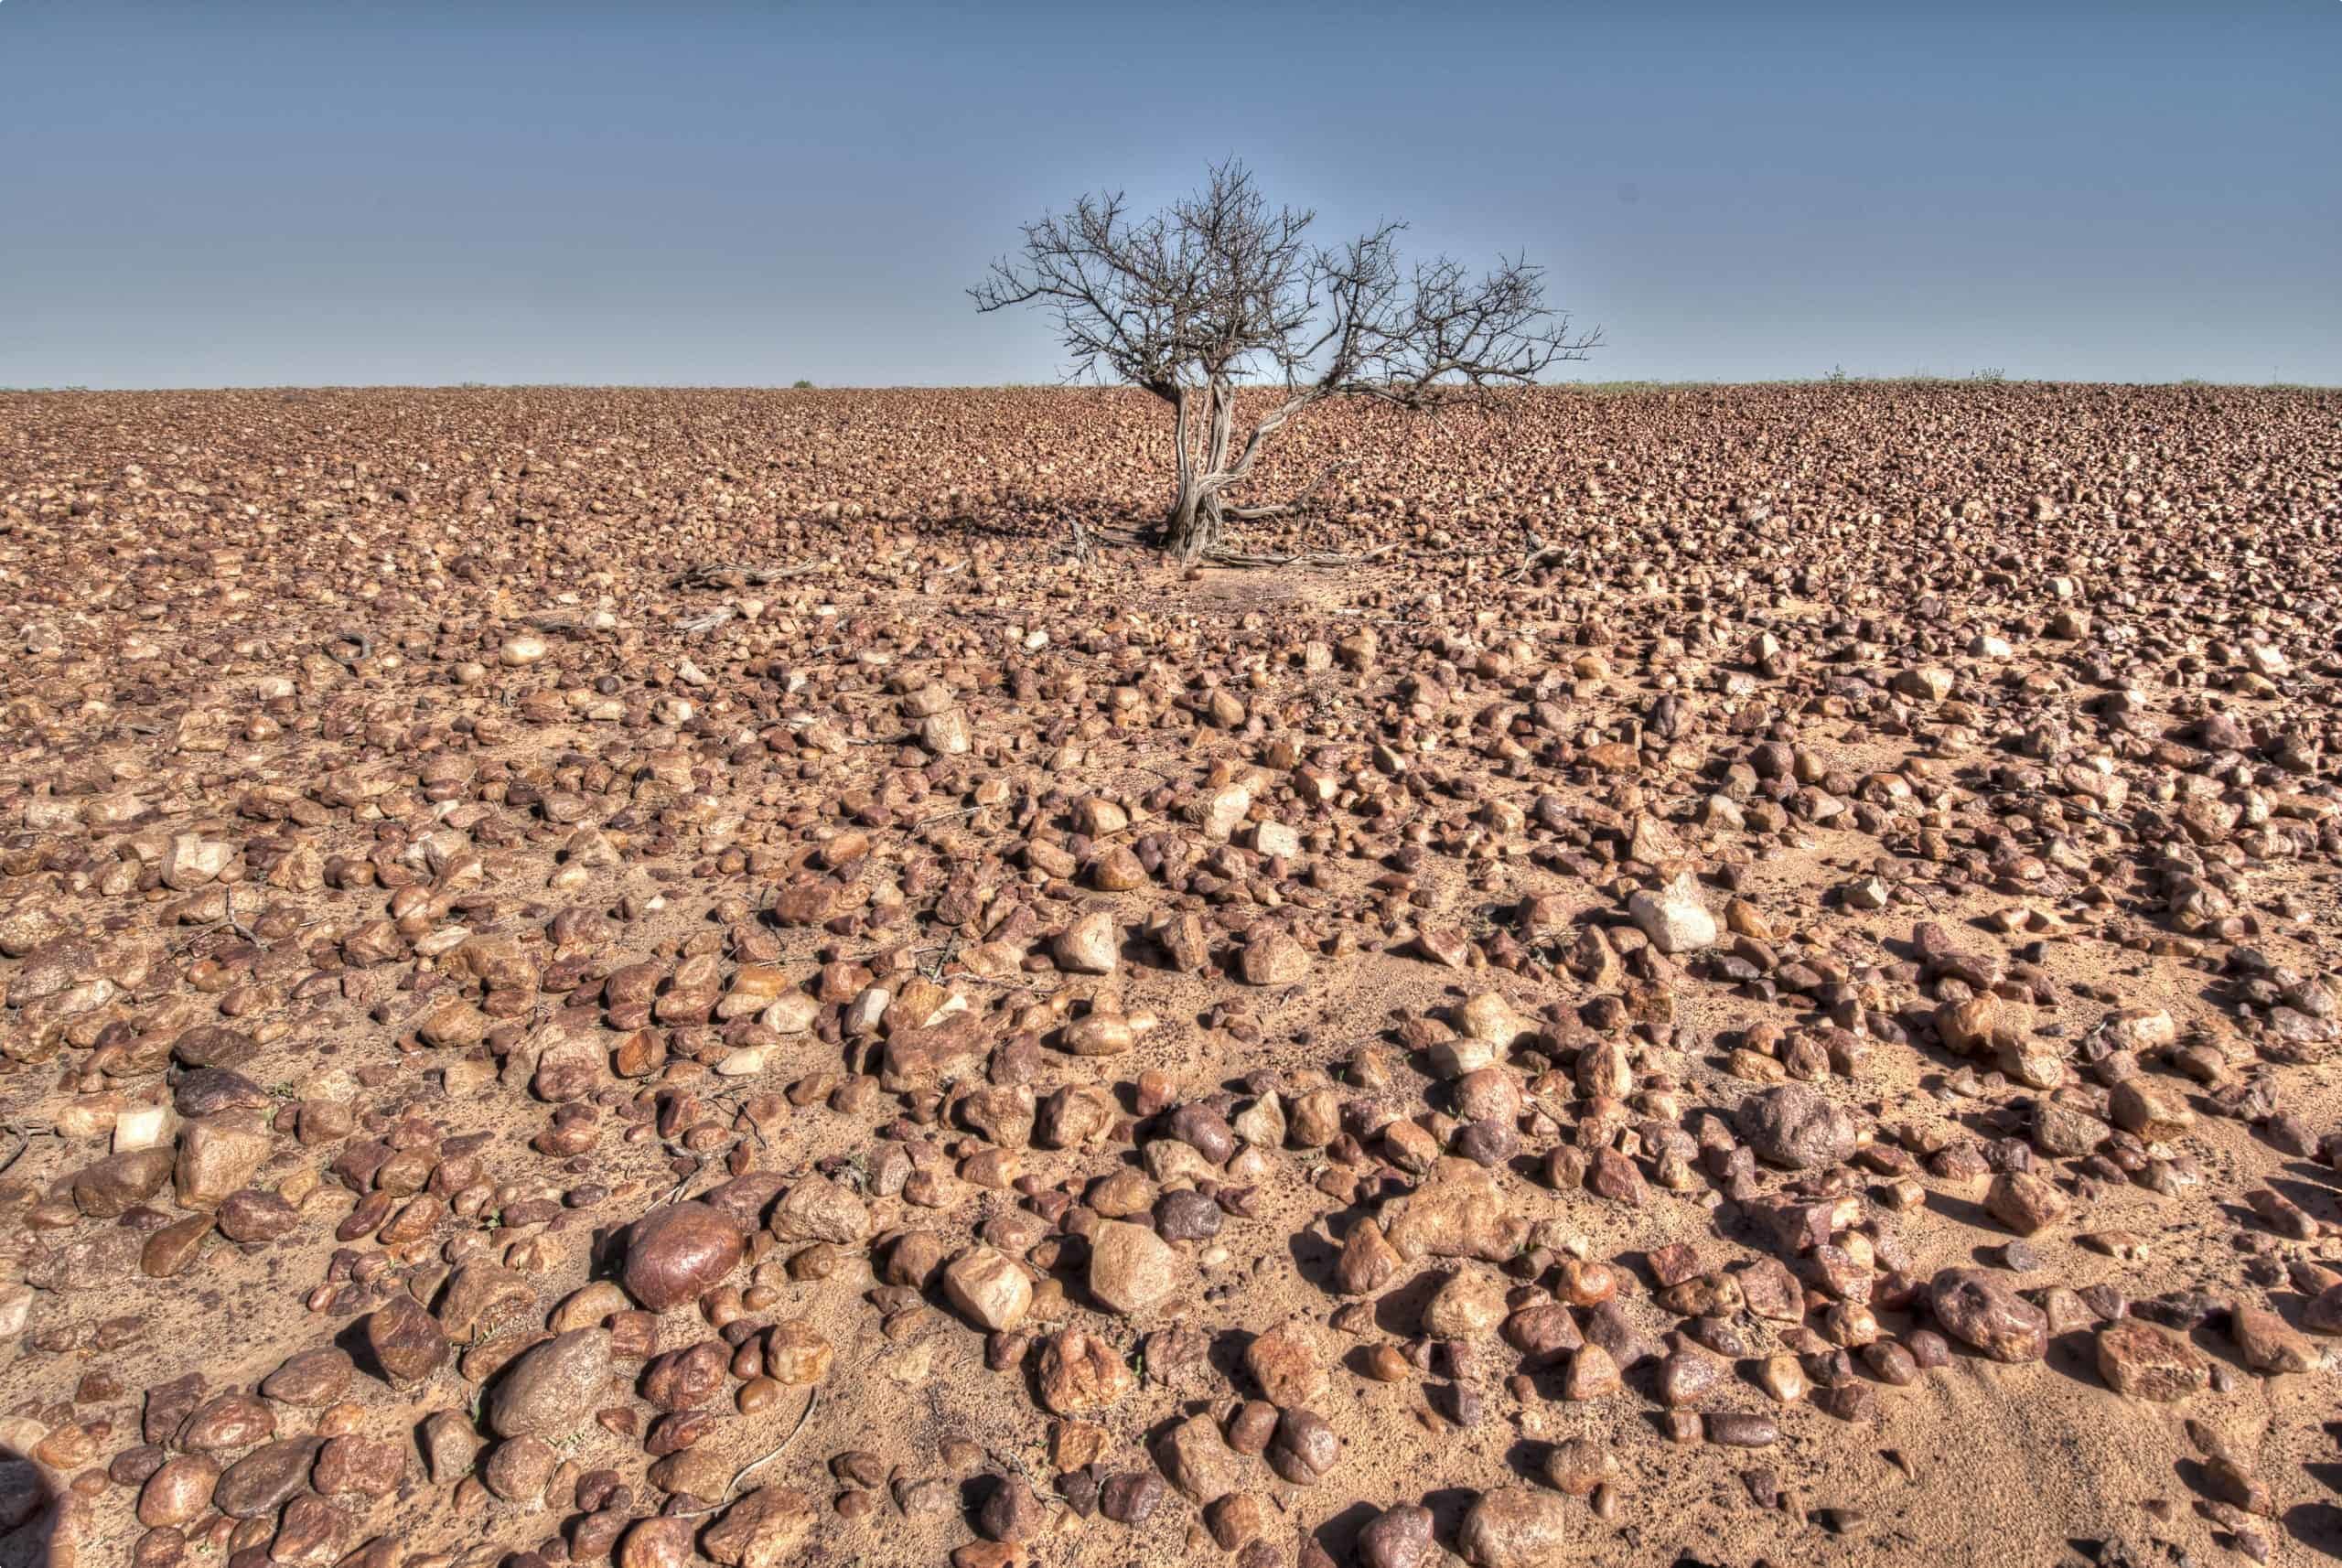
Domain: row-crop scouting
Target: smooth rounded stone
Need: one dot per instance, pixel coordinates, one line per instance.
(1398, 1537)
(254, 1215)
(169, 1250)
(695, 1472)
(991, 1288)
(2145, 1362)
(311, 1379)
(676, 1254)
(179, 1492)
(767, 1528)
(1890, 1363)
(1689, 1375)
(518, 1468)
(405, 1341)
(1471, 1304)
(1797, 1127)
(1080, 1372)
(552, 1389)
(1516, 1527)
(1203, 1129)
(1981, 1312)
(259, 1483)
(1132, 1269)
(1234, 1521)
(227, 1423)
(1742, 1429)
(1305, 1447)
(1577, 1467)
(2025, 1203)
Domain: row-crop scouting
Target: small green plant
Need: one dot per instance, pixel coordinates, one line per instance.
(1837, 375)
(1992, 375)
(800, 384)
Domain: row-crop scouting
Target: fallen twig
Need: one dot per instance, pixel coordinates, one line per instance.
(706, 574)
(812, 1397)
(1235, 558)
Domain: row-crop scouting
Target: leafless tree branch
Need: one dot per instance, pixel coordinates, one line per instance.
(1220, 291)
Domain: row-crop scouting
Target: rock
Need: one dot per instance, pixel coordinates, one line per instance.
(2153, 1112)
(1471, 1304)
(179, 1492)
(1285, 1366)
(1091, 945)
(261, 1481)
(989, 1287)
(1460, 1213)
(1079, 1373)
(404, 1341)
(1198, 1461)
(1398, 1536)
(1981, 1312)
(677, 1254)
(312, 1379)
(216, 1154)
(1674, 918)
(1576, 1468)
(1515, 1527)
(1797, 1127)
(663, 1542)
(767, 1528)
(2269, 1344)
(553, 1388)
(1132, 1269)
(1367, 1262)
(2139, 1360)
(2025, 1203)
(1273, 957)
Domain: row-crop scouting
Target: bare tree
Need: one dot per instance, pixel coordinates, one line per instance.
(1220, 291)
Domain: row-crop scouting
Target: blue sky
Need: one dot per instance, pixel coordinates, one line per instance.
(259, 192)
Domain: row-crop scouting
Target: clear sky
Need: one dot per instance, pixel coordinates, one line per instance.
(680, 191)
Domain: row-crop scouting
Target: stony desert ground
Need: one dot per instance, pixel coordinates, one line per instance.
(738, 977)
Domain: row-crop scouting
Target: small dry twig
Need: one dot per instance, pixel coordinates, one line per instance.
(1328, 558)
(812, 1397)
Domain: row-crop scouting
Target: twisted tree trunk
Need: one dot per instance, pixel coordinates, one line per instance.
(1198, 515)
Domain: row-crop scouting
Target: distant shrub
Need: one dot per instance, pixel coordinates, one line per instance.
(800, 384)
